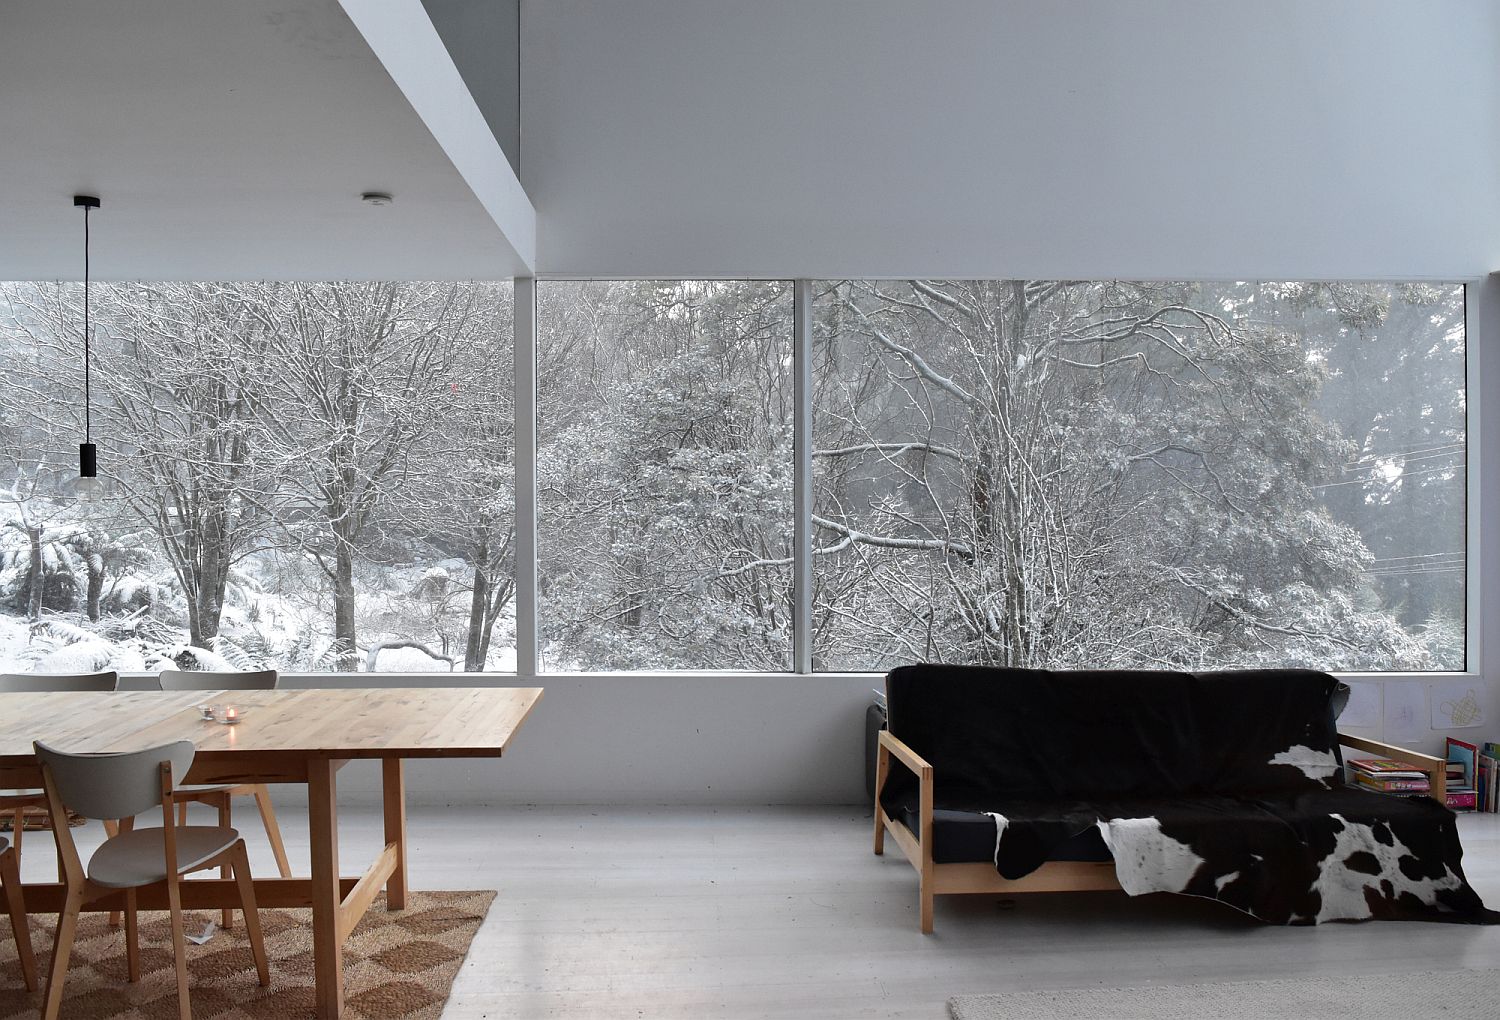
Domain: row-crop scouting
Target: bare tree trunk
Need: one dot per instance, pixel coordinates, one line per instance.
(95, 591)
(477, 642)
(34, 578)
(343, 608)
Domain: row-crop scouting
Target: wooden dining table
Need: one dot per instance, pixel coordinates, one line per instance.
(284, 736)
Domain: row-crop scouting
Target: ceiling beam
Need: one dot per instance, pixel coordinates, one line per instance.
(404, 39)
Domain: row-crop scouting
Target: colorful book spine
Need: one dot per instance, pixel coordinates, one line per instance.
(1385, 767)
(1489, 771)
(1393, 785)
(1460, 800)
(1490, 756)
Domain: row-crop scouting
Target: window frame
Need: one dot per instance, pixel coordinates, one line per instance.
(526, 607)
(1481, 309)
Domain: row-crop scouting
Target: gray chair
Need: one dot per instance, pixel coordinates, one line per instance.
(123, 786)
(10, 878)
(17, 801)
(47, 683)
(219, 795)
(210, 680)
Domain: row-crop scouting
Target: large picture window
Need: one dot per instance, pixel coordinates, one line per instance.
(320, 476)
(664, 475)
(1072, 474)
(307, 476)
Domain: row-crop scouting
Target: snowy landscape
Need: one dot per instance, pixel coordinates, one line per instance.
(320, 476)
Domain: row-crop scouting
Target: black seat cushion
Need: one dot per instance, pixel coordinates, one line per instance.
(968, 837)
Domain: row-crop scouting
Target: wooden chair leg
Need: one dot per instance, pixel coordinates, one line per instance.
(62, 948)
(182, 812)
(226, 917)
(179, 948)
(273, 830)
(113, 829)
(241, 863)
(132, 940)
(925, 894)
(10, 877)
(17, 826)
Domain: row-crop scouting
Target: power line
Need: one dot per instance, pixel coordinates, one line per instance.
(1406, 453)
(1455, 469)
(1366, 465)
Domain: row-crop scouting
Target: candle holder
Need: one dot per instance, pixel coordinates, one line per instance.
(230, 715)
(209, 712)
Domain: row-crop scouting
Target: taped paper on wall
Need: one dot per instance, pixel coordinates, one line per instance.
(1457, 704)
(1363, 710)
(1405, 712)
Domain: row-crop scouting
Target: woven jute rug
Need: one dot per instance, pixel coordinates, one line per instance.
(1456, 995)
(35, 819)
(396, 964)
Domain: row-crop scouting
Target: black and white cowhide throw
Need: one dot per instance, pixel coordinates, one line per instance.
(1327, 855)
(1222, 785)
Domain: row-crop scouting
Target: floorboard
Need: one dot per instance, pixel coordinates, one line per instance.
(679, 913)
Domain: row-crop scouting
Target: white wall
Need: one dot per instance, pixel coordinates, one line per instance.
(1076, 138)
(633, 738)
(675, 739)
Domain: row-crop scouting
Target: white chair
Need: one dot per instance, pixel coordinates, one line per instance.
(123, 786)
(219, 795)
(17, 801)
(10, 878)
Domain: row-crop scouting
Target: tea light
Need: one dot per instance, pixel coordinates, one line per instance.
(231, 716)
(207, 712)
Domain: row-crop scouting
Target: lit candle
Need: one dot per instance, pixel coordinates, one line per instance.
(231, 715)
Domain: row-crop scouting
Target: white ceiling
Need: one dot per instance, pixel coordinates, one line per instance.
(228, 139)
(1078, 138)
(1081, 138)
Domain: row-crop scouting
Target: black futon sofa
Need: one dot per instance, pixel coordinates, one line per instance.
(1226, 785)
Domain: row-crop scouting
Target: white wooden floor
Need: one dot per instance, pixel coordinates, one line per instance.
(612, 912)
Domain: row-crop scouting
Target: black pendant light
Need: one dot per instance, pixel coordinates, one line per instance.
(88, 487)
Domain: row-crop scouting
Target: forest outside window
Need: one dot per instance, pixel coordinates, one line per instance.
(305, 476)
(1106, 474)
(664, 475)
(320, 476)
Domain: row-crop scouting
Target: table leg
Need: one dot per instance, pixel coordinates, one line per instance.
(328, 952)
(393, 777)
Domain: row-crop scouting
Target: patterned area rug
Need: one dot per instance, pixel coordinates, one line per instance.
(1456, 995)
(396, 965)
(35, 819)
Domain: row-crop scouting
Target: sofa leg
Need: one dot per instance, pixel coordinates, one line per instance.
(879, 833)
(926, 907)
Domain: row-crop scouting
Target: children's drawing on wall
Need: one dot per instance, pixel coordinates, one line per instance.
(1457, 704)
(1405, 711)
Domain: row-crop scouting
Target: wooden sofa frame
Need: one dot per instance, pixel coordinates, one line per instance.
(1055, 876)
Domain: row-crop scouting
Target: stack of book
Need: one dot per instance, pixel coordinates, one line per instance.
(1463, 771)
(1489, 777)
(1387, 775)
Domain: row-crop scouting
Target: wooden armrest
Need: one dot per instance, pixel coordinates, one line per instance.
(892, 747)
(905, 755)
(1435, 767)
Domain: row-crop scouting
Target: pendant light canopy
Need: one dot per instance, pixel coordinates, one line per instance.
(88, 486)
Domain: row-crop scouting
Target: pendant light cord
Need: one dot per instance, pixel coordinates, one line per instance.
(87, 432)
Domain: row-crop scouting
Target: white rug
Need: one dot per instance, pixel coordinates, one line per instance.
(1452, 995)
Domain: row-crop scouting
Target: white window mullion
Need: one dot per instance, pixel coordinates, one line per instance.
(526, 525)
(802, 478)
